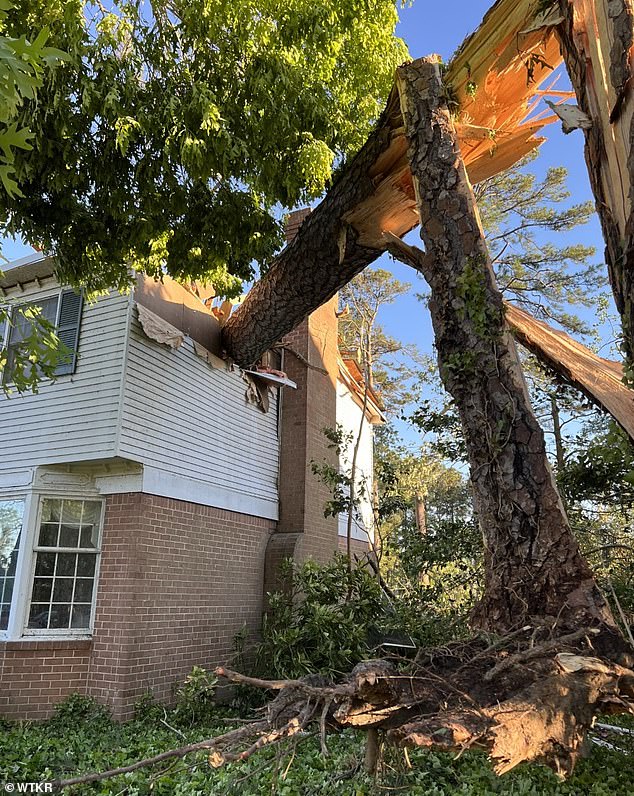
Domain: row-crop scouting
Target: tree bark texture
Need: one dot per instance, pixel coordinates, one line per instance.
(315, 265)
(597, 40)
(533, 564)
(421, 514)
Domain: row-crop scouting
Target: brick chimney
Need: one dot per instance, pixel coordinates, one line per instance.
(303, 531)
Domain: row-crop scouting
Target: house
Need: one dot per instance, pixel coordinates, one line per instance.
(146, 497)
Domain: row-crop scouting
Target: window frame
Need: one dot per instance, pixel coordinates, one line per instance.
(4, 327)
(17, 629)
(22, 302)
(14, 626)
(57, 292)
(65, 632)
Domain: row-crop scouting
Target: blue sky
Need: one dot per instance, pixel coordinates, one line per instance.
(440, 28)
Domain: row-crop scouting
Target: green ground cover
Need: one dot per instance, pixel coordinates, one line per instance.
(83, 738)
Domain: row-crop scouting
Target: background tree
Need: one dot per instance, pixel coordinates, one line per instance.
(395, 367)
(178, 129)
(533, 268)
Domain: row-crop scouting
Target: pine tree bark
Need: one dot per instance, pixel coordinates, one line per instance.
(317, 263)
(597, 41)
(533, 563)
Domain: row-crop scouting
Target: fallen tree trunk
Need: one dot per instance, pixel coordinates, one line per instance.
(599, 379)
(597, 41)
(533, 566)
(494, 80)
(318, 261)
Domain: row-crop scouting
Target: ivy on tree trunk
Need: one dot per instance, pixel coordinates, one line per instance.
(532, 560)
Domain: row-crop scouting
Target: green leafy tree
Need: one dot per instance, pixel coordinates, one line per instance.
(597, 480)
(180, 128)
(431, 558)
(23, 64)
(601, 466)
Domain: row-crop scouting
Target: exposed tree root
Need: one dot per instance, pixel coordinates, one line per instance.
(529, 696)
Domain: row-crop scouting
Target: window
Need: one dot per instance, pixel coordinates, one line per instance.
(66, 553)
(63, 311)
(11, 516)
(21, 327)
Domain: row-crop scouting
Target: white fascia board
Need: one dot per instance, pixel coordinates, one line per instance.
(28, 260)
(165, 484)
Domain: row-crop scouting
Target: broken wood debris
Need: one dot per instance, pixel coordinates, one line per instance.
(540, 709)
(601, 380)
(158, 329)
(572, 117)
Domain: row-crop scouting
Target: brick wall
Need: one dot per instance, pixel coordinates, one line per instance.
(305, 413)
(177, 582)
(357, 547)
(36, 675)
(172, 594)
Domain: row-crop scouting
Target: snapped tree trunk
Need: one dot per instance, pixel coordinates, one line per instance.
(316, 264)
(597, 41)
(533, 563)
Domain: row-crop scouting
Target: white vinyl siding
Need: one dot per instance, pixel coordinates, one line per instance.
(185, 419)
(73, 418)
(349, 418)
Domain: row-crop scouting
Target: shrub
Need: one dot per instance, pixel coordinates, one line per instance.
(321, 621)
(195, 698)
(77, 708)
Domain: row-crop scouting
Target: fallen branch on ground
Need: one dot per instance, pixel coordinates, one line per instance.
(524, 697)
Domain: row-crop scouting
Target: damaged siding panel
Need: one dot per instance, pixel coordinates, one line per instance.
(75, 417)
(184, 418)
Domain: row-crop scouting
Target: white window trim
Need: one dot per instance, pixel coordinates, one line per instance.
(25, 569)
(13, 627)
(22, 300)
(4, 328)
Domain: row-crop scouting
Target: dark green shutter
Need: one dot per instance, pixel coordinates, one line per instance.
(69, 321)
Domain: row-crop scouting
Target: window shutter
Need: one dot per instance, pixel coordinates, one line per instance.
(69, 321)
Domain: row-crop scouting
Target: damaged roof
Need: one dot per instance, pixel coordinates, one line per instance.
(351, 376)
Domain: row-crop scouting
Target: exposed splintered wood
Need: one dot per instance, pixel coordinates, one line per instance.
(597, 40)
(533, 566)
(324, 255)
(492, 85)
(530, 696)
(601, 380)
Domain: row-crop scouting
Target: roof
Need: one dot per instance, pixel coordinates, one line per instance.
(351, 376)
(598, 378)
(27, 269)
